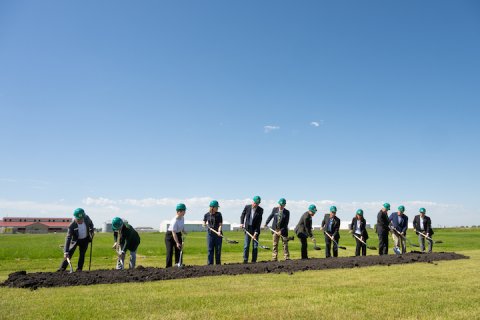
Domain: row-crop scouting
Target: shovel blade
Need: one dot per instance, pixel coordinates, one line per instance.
(438, 241)
(232, 241)
(372, 248)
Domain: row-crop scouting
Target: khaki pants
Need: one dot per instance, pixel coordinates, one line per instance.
(399, 242)
(276, 239)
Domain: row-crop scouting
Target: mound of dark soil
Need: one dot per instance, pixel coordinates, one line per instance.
(33, 281)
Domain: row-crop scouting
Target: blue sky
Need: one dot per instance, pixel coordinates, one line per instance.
(125, 108)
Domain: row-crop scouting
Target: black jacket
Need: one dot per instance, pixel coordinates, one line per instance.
(363, 227)
(129, 238)
(72, 232)
(427, 224)
(283, 224)
(382, 222)
(257, 218)
(335, 226)
(304, 226)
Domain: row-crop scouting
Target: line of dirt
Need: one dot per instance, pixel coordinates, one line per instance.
(33, 281)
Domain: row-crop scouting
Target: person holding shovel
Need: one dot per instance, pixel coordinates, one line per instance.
(399, 223)
(331, 228)
(251, 221)
(304, 229)
(281, 217)
(382, 228)
(423, 227)
(80, 233)
(173, 237)
(359, 230)
(126, 238)
(213, 221)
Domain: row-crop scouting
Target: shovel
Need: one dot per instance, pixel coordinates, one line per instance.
(221, 235)
(426, 237)
(315, 247)
(280, 235)
(371, 248)
(335, 242)
(68, 260)
(263, 247)
(180, 260)
(403, 237)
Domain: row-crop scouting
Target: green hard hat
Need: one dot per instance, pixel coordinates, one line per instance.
(333, 209)
(312, 208)
(422, 210)
(360, 212)
(214, 203)
(181, 207)
(282, 202)
(79, 213)
(117, 223)
(386, 205)
(401, 209)
(257, 199)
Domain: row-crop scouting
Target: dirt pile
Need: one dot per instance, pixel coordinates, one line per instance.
(33, 281)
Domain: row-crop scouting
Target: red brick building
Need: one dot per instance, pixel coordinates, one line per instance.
(34, 225)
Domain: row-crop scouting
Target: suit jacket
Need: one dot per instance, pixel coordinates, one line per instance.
(257, 218)
(400, 227)
(283, 224)
(335, 226)
(363, 227)
(382, 222)
(304, 226)
(72, 233)
(427, 224)
(129, 238)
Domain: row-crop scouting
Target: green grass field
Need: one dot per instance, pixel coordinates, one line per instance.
(445, 290)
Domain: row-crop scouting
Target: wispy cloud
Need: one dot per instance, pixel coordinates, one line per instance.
(269, 129)
(316, 123)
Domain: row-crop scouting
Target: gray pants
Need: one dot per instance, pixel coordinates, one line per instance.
(421, 240)
(399, 242)
(121, 260)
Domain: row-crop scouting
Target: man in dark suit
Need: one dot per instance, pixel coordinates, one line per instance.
(80, 233)
(382, 229)
(358, 228)
(400, 225)
(281, 217)
(423, 224)
(251, 221)
(331, 226)
(304, 229)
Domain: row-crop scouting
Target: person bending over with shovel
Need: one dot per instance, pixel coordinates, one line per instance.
(359, 231)
(423, 227)
(304, 229)
(126, 238)
(399, 223)
(80, 233)
(281, 217)
(173, 237)
(331, 227)
(250, 222)
(213, 221)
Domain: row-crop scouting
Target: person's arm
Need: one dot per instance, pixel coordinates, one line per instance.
(308, 226)
(68, 239)
(174, 234)
(405, 227)
(270, 217)
(287, 220)
(259, 224)
(337, 228)
(220, 223)
(242, 217)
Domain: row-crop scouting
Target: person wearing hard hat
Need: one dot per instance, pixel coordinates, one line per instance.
(281, 217)
(80, 233)
(331, 227)
(399, 222)
(251, 221)
(213, 220)
(359, 229)
(304, 229)
(126, 238)
(423, 224)
(173, 237)
(382, 228)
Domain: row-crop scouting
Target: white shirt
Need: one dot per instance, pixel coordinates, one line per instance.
(421, 224)
(357, 227)
(252, 213)
(177, 225)
(82, 230)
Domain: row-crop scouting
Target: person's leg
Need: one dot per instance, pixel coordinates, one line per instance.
(211, 247)
(275, 247)
(421, 241)
(303, 240)
(64, 263)
(335, 247)
(218, 250)
(246, 247)
(177, 251)
(133, 259)
(357, 247)
(385, 242)
(83, 246)
(169, 243)
(328, 243)
(364, 249)
(403, 242)
(286, 253)
(255, 250)
(430, 245)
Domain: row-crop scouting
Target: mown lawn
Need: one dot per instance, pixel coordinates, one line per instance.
(445, 290)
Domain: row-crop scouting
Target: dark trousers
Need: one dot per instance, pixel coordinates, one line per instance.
(171, 246)
(246, 246)
(303, 240)
(382, 242)
(214, 243)
(328, 245)
(83, 245)
(360, 247)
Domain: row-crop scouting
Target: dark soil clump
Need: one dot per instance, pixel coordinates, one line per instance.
(21, 279)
